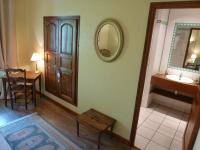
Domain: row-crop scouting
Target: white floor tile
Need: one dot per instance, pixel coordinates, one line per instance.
(162, 139)
(144, 113)
(151, 124)
(139, 123)
(154, 146)
(179, 136)
(145, 132)
(158, 125)
(166, 131)
(144, 116)
(173, 119)
(176, 145)
(182, 126)
(171, 124)
(156, 118)
(141, 119)
(141, 142)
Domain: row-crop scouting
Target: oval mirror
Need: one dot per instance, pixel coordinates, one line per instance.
(108, 40)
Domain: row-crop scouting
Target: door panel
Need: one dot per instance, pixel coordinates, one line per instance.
(66, 63)
(68, 48)
(51, 49)
(66, 38)
(66, 85)
(51, 35)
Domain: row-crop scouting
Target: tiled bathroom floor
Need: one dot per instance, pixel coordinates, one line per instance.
(160, 128)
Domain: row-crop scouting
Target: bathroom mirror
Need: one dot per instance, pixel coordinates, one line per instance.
(192, 55)
(185, 47)
(108, 40)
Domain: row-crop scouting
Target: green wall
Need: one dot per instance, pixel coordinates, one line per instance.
(108, 87)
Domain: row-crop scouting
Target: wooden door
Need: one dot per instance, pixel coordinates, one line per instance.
(193, 123)
(51, 49)
(68, 33)
(61, 56)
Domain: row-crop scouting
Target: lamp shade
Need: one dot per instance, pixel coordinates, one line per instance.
(35, 57)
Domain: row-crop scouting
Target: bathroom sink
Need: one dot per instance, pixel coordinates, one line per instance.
(178, 79)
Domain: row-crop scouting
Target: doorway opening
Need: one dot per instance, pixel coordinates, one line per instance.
(167, 106)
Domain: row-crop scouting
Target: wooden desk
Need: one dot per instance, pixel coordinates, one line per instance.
(96, 120)
(31, 77)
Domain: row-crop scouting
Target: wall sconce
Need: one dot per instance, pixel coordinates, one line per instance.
(35, 58)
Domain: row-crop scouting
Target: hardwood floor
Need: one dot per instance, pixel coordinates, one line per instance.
(64, 121)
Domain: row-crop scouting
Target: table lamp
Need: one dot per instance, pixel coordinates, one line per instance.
(35, 58)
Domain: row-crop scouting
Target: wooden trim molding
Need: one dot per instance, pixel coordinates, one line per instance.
(60, 105)
(140, 88)
(153, 7)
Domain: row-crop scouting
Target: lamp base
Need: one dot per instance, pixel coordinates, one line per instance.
(36, 69)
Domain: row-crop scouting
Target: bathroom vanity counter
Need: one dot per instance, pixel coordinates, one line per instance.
(160, 80)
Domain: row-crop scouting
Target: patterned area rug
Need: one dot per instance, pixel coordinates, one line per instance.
(33, 133)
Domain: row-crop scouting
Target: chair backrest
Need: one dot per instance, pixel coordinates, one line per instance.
(16, 78)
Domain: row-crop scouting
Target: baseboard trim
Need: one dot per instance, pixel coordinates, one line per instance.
(60, 105)
(116, 136)
(121, 139)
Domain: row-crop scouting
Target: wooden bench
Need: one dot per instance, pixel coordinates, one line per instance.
(96, 120)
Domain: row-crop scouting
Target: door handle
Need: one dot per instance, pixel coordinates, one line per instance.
(58, 74)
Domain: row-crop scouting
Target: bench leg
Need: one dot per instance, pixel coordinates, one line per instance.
(99, 140)
(77, 124)
(111, 131)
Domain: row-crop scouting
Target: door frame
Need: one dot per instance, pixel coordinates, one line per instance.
(149, 32)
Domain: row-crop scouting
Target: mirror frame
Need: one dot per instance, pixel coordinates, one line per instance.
(178, 25)
(120, 35)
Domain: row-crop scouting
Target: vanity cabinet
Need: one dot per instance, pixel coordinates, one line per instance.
(61, 56)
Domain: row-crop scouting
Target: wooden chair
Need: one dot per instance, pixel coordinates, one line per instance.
(18, 86)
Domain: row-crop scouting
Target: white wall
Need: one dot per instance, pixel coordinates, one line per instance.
(155, 52)
(178, 16)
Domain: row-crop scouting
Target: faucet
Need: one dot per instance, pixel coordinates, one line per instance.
(180, 76)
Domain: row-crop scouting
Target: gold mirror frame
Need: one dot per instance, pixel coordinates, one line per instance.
(119, 31)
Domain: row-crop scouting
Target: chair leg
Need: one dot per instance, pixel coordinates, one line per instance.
(26, 105)
(6, 103)
(32, 96)
(12, 105)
